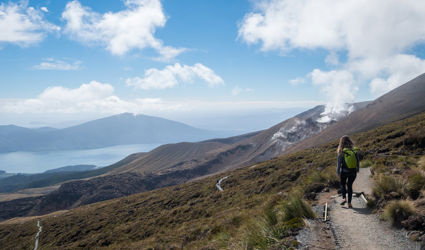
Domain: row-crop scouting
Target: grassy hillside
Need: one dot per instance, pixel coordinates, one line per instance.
(259, 207)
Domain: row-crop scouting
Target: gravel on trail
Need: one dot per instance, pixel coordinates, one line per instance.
(357, 227)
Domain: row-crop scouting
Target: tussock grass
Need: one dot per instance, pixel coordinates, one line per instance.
(415, 184)
(272, 229)
(295, 207)
(366, 163)
(385, 185)
(397, 211)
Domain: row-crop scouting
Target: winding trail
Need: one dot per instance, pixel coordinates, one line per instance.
(37, 236)
(358, 228)
(218, 185)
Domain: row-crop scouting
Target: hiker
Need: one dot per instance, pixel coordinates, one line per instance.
(347, 167)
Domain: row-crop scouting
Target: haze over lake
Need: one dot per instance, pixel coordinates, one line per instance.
(37, 162)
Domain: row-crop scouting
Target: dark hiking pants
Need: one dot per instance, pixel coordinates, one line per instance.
(347, 180)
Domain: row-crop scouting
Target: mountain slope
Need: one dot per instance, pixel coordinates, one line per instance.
(219, 155)
(402, 102)
(114, 130)
(196, 215)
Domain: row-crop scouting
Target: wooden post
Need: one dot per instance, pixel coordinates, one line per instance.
(326, 211)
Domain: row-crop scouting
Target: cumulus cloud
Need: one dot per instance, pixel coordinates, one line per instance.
(375, 35)
(92, 97)
(44, 9)
(172, 75)
(23, 25)
(53, 64)
(120, 32)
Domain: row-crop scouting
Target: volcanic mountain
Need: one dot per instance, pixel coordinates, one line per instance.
(110, 131)
(402, 102)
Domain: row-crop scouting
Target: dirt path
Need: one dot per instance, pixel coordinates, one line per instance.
(355, 228)
(218, 185)
(358, 228)
(37, 236)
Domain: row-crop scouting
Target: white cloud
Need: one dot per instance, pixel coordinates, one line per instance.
(394, 71)
(297, 81)
(23, 25)
(95, 99)
(332, 58)
(52, 64)
(363, 27)
(172, 75)
(340, 90)
(44, 9)
(92, 97)
(120, 32)
(238, 90)
(375, 35)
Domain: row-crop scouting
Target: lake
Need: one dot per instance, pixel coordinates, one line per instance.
(37, 162)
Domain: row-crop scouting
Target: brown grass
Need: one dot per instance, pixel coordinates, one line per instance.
(195, 215)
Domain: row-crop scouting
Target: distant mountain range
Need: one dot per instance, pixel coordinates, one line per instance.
(110, 131)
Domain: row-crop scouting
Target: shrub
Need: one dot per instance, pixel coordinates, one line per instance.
(272, 228)
(397, 211)
(421, 162)
(371, 203)
(264, 232)
(316, 177)
(295, 207)
(365, 163)
(386, 184)
(415, 183)
(327, 177)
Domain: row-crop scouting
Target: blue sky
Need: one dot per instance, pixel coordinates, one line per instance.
(194, 60)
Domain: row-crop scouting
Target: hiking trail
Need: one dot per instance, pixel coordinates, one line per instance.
(37, 236)
(218, 185)
(357, 227)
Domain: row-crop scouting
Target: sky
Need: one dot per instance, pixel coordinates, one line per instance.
(208, 63)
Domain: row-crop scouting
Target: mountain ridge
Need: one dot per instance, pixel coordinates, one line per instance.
(114, 130)
(401, 102)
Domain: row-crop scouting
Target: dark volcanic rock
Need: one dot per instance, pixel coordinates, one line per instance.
(414, 222)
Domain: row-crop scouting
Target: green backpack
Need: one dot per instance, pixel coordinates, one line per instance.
(350, 157)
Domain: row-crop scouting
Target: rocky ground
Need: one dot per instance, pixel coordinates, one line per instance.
(353, 228)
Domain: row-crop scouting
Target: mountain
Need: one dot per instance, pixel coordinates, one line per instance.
(402, 102)
(217, 155)
(74, 168)
(248, 213)
(110, 131)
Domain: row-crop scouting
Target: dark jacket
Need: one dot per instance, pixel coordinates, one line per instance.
(341, 166)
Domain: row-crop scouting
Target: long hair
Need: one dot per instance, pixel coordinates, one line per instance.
(344, 142)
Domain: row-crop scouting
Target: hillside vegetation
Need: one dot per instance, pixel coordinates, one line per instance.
(260, 207)
(24, 181)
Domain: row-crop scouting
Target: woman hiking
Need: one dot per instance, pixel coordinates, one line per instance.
(347, 167)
